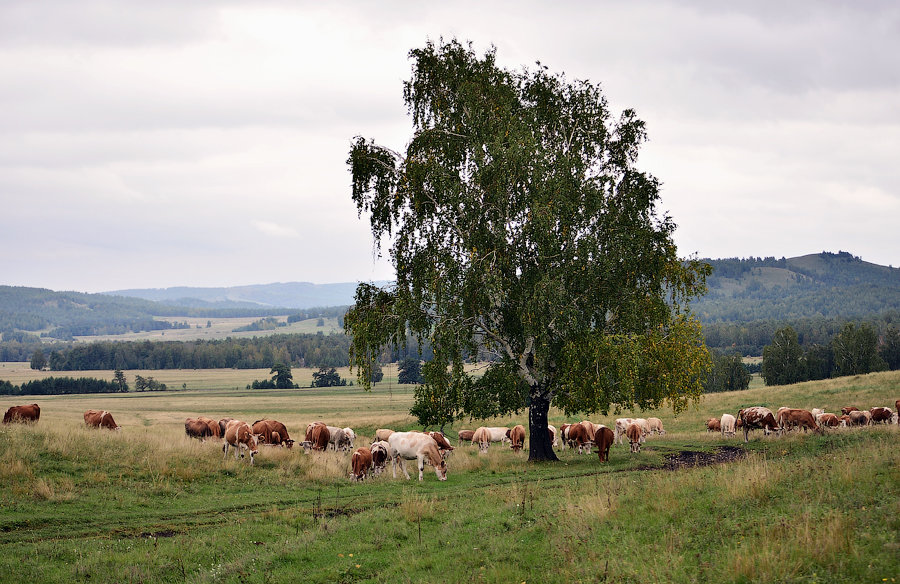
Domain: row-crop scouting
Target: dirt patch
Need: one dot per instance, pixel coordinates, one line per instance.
(689, 459)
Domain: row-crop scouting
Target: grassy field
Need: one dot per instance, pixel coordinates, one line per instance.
(146, 504)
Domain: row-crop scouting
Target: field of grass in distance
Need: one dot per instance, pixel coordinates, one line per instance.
(146, 504)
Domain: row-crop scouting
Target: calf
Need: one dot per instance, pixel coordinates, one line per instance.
(517, 437)
(240, 436)
(360, 462)
(603, 439)
(635, 436)
(726, 424)
(414, 445)
(100, 419)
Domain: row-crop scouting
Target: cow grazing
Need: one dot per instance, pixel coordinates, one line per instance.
(482, 437)
(644, 425)
(755, 418)
(223, 424)
(272, 432)
(726, 424)
(319, 436)
(603, 439)
(635, 437)
(380, 453)
(498, 433)
(656, 426)
(847, 409)
(795, 417)
(25, 414)
(308, 437)
(197, 428)
(554, 435)
(591, 428)
(100, 419)
(382, 434)
(517, 437)
(621, 425)
(564, 436)
(829, 421)
(360, 462)
(858, 418)
(443, 445)
(350, 435)
(465, 436)
(881, 415)
(240, 436)
(578, 436)
(713, 425)
(414, 445)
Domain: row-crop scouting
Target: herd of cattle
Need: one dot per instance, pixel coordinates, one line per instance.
(432, 447)
(787, 419)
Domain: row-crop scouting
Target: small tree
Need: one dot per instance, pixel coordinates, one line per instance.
(282, 378)
(409, 370)
(782, 360)
(38, 360)
(119, 381)
(327, 377)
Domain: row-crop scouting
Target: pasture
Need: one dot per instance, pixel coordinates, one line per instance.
(147, 504)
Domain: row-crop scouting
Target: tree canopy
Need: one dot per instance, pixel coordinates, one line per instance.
(519, 224)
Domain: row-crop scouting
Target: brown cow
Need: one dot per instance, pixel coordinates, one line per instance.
(793, 417)
(858, 418)
(240, 436)
(25, 414)
(216, 431)
(713, 425)
(360, 462)
(578, 436)
(881, 415)
(198, 428)
(829, 421)
(604, 438)
(634, 434)
(516, 437)
(465, 436)
(380, 454)
(319, 437)
(100, 419)
(272, 432)
(847, 409)
(757, 417)
(442, 443)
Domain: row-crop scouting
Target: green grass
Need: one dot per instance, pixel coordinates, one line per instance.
(146, 504)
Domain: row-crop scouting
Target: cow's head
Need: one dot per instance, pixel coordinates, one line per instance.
(289, 443)
(441, 470)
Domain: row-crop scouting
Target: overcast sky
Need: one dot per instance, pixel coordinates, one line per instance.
(178, 143)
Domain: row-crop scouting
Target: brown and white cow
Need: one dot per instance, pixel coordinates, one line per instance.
(603, 439)
(554, 435)
(419, 447)
(516, 436)
(443, 445)
(564, 436)
(350, 436)
(26, 414)
(380, 454)
(465, 436)
(578, 436)
(829, 421)
(100, 419)
(757, 417)
(197, 428)
(272, 432)
(482, 437)
(881, 415)
(360, 462)
(635, 436)
(240, 436)
(797, 418)
(620, 426)
(847, 409)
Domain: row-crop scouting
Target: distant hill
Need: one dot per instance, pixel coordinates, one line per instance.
(301, 295)
(829, 285)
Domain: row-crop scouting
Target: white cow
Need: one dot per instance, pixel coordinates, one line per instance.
(620, 427)
(498, 434)
(350, 436)
(418, 446)
(727, 425)
(656, 425)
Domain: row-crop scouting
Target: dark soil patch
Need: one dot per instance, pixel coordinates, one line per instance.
(689, 459)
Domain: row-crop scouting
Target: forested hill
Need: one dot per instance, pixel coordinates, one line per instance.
(829, 285)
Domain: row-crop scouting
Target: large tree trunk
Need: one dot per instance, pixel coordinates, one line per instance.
(539, 439)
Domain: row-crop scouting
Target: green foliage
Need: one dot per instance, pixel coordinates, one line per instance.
(327, 377)
(148, 384)
(520, 225)
(119, 380)
(856, 350)
(728, 373)
(61, 386)
(38, 360)
(890, 348)
(282, 378)
(782, 360)
(409, 370)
